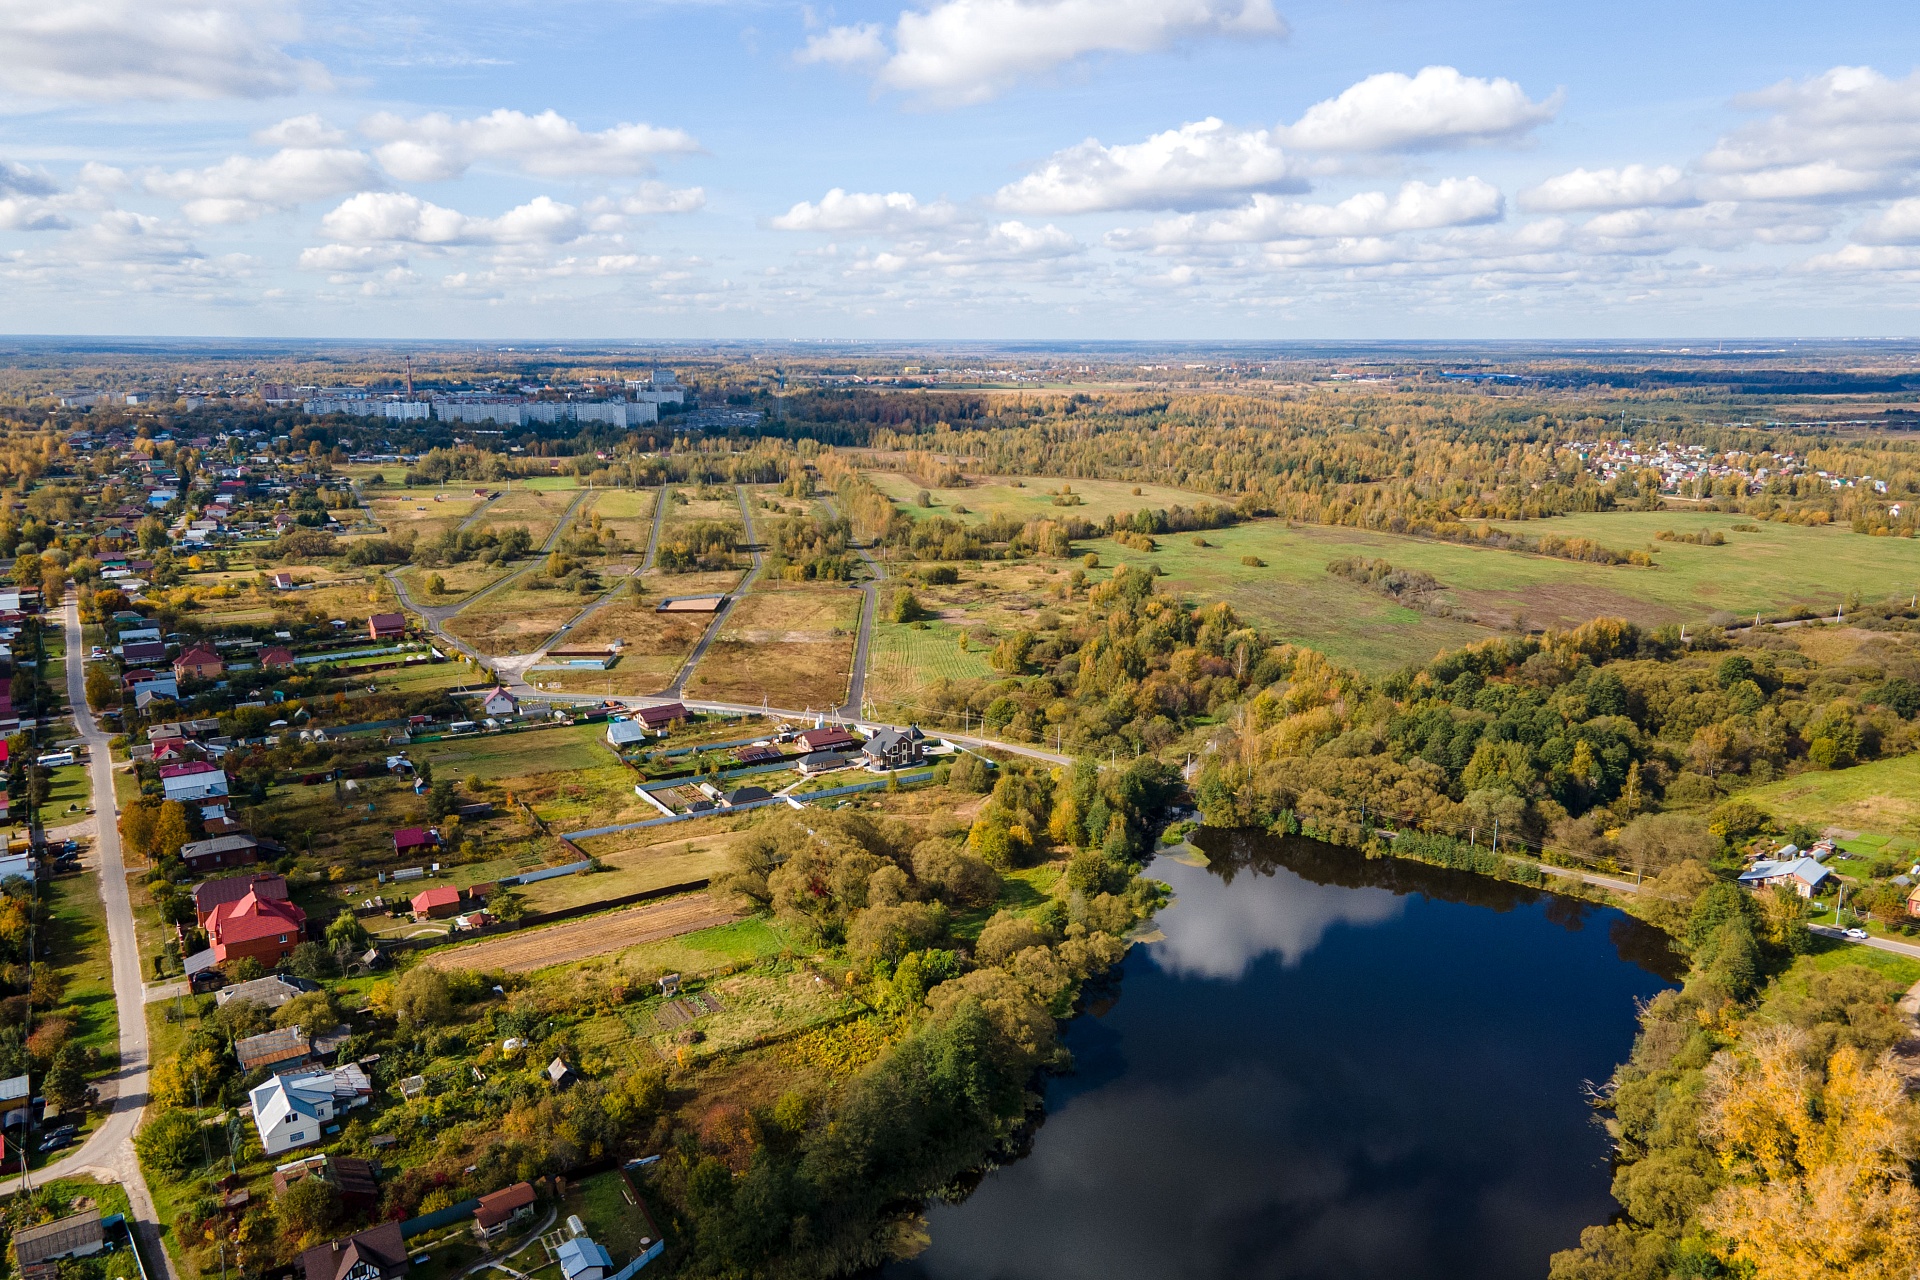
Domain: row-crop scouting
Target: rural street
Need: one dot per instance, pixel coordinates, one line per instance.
(109, 1154)
(726, 606)
(863, 642)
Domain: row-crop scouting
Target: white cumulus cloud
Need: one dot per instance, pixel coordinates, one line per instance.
(436, 146)
(845, 46)
(1438, 107)
(1851, 117)
(107, 50)
(392, 217)
(241, 188)
(865, 212)
(310, 130)
(1898, 223)
(1203, 164)
(966, 51)
(1416, 206)
(1634, 186)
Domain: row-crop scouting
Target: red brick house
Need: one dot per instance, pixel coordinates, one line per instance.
(387, 626)
(198, 663)
(267, 929)
(277, 657)
(499, 1210)
(211, 894)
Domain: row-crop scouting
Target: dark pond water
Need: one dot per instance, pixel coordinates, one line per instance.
(1328, 1067)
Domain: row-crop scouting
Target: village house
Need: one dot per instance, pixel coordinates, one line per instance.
(500, 1210)
(662, 716)
(436, 903)
(209, 894)
(378, 1253)
(500, 703)
(387, 626)
(38, 1250)
(220, 851)
(1803, 875)
(895, 748)
(194, 780)
(828, 738)
(276, 658)
(292, 1110)
(622, 734)
(270, 992)
(267, 929)
(283, 1046)
(413, 839)
(198, 663)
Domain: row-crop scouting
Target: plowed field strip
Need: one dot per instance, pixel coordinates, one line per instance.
(591, 936)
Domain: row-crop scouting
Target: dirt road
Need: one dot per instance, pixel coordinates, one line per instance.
(591, 936)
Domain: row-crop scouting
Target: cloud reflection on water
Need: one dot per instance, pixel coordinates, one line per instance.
(1217, 928)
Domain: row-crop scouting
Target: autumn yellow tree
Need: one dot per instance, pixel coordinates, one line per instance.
(1821, 1188)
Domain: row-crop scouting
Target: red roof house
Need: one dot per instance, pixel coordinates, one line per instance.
(437, 902)
(387, 626)
(278, 656)
(501, 1209)
(831, 738)
(209, 894)
(267, 929)
(407, 839)
(198, 663)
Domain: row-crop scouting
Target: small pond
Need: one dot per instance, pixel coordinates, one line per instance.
(1322, 1066)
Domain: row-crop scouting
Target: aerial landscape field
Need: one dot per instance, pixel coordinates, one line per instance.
(615, 797)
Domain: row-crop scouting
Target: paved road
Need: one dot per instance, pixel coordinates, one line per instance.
(109, 1152)
(478, 511)
(863, 642)
(712, 633)
(1878, 944)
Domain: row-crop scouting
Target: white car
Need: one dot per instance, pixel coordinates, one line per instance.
(1858, 935)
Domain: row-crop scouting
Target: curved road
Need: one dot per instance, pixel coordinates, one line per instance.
(109, 1152)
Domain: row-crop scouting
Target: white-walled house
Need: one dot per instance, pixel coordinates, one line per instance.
(293, 1110)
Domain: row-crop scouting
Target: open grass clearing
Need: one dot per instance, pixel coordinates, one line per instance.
(685, 505)
(535, 510)
(1882, 797)
(790, 646)
(462, 580)
(1032, 497)
(633, 871)
(515, 619)
(79, 947)
(424, 512)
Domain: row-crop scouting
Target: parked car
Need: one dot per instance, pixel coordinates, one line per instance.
(1858, 935)
(56, 1141)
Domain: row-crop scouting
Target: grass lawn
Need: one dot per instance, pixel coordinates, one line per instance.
(79, 947)
(1829, 954)
(789, 645)
(613, 1219)
(502, 756)
(709, 950)
(70, 786)
(427, 512)
(720, 504)
(1880, 797)
(634, 871)
(1032, 497)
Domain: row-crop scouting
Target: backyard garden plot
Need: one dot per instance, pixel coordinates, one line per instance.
(772, 1001)
(902, 659)
(350, 599)
(535, 510)
(515, 619)
(1033, 497)
(539, 948)
(789, 646)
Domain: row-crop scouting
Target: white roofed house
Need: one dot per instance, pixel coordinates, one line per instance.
(294, 1110)
(1805, 876)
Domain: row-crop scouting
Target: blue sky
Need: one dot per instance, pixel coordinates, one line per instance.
(959, 168)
